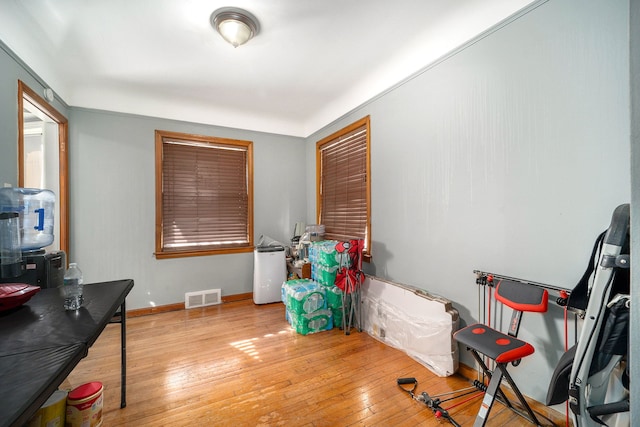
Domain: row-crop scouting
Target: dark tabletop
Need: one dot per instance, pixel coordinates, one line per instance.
(41, 343)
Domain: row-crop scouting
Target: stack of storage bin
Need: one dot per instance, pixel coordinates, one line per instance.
(306, 306)
(325, 262)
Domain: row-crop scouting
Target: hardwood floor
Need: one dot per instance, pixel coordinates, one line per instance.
(238, 364)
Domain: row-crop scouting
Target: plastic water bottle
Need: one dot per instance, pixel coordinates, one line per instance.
(72, 287)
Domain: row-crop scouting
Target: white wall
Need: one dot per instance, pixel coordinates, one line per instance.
(508, 156)
(112, 197)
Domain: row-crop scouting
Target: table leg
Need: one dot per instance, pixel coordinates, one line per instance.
(123, 356)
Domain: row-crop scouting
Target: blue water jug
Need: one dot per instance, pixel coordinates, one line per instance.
(35, 207)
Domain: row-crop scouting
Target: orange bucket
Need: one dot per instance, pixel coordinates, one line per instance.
(84, 406)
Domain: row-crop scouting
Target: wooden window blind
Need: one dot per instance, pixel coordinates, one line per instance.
(205, 192)
(344, 183)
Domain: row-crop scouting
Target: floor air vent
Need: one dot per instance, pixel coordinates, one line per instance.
(202, 298)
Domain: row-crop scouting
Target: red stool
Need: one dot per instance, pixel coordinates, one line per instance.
(504, 348)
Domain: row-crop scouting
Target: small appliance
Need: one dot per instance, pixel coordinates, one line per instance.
(26, 227)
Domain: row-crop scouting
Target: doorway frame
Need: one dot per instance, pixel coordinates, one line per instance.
(25, 91)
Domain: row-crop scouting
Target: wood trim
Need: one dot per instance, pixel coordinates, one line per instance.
(39, 101)
(183, 254)
(25, 91)
(318, 181)
(367, 255)
(158, 172)
(250, 187)
(365, 121)
(180, 306)
(21, 87)
(237, 297)
(160, 136)
(179, 136)
(556, 417)
(155, 310)
(63, 158)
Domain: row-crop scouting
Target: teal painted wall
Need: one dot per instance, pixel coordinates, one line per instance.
(12, 70)
(507, 156)
(112, 160)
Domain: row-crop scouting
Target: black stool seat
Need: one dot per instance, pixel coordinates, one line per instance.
(500, 347)
(504, 348)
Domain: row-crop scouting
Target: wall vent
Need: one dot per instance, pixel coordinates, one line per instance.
(202, 298)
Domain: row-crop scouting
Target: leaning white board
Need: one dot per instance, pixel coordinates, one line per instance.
(412, 320)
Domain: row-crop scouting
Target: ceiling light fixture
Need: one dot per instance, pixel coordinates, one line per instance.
(237, 26)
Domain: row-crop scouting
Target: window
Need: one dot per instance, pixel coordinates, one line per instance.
(344, 184)
(204, 195)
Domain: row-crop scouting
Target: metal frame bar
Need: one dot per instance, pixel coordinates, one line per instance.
(526, 282)
(495, 392)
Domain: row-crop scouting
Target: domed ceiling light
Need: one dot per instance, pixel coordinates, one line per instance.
(236, 26)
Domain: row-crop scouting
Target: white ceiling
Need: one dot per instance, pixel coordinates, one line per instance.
(312, 61)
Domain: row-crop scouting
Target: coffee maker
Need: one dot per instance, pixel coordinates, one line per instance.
(26, 228)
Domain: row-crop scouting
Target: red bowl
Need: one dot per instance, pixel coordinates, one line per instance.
(15, 294)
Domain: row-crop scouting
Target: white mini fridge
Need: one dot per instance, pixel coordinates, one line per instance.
(269, 272)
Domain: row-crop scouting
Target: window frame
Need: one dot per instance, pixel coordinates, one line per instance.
(334, 137)
(160, 137)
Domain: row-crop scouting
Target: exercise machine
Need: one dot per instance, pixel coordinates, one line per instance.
(489, 346)
(504, 349)
(435, 402)
(594, 375)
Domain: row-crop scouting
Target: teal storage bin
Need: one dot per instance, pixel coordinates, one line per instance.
(310, 323)
(304, 297)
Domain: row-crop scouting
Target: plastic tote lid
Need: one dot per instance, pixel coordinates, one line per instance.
(269, 248)
(85, 390)
(267, 244)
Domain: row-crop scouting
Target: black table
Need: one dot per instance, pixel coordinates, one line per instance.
(41, 343)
